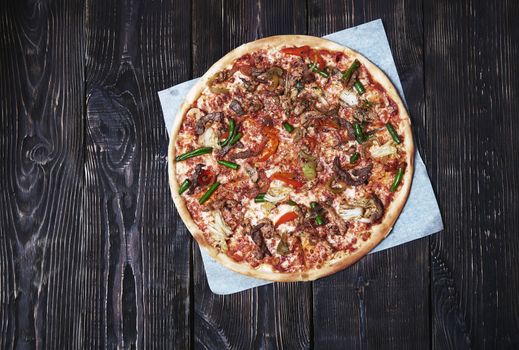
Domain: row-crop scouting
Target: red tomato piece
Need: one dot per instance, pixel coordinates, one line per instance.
(288, 179)
(291, 215)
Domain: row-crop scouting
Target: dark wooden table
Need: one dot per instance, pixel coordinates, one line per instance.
(93, 254)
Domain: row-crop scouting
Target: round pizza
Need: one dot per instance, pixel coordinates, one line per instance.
(291, 158)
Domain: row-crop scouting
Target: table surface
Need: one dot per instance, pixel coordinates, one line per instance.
(93, 254)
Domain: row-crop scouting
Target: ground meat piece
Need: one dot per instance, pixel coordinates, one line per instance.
(194, 178)
(379, 212)
(243, 154)
(231, 213)
(263, 181)
(250, 85)
(362, 174)
(235, 106)
(200, 124)
(262, 230)
(334, 218)
(348, 126)
(308, 76)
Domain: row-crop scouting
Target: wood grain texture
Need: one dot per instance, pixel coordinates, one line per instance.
(383, 301)
(471, 51)
(138, 250)
(41, 150)
(269, 317)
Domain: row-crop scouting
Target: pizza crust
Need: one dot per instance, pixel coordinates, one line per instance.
(378, 232)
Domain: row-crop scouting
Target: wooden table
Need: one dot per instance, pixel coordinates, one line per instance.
(93, 254)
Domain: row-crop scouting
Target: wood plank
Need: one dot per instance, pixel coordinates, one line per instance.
(269, 317)
(137, 255)
(383, 301)
(41, 152)
(471, 86)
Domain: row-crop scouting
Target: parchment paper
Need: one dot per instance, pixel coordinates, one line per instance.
(420, 216)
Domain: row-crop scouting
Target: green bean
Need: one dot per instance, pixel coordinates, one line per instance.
(359, 133)
(319, 220)
(228, 164)
(260, 198)
(185, 185)
(236, 138)
(354, 157)
(354, 66)
(359, 87)
(398, 179)
(232, 128)
(393, 133)
(194, 153)
(288, 127)
(299, 86)
(209, 192)
(315, 68)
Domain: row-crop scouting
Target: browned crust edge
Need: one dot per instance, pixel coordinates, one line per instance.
(379, 232)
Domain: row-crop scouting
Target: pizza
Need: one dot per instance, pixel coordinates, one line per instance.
(291, 158)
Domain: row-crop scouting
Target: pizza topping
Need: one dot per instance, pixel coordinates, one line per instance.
(354, 157)
(209, 138)
(228, 164)
(302, 51)
(398, 179)
(283, 248)
(347, 76)
(234, 141)
(291, 215)
(309, 165)
(262, 230)
(350, 213)
(360, 136)
(288, 179)
(272, 143)
(220, 225)
(335, 218)
(349, 98)
(288, 127)
(277, 194)
(230, 133)
(335, 187)
(348, 126)
(393, 133)
(243, 154)
(217, 89)
(385, 150)
(184, 186)
(209, 193)
(203, 120)
(378, 210)
(316, 211)
(194, 153)
(274, 75)
(260, 198)
(251, 172)
(195, 177)
(359, 87)
(236, 107)
(366, 210)
(250, 85)
(361, 174)
(315, 68)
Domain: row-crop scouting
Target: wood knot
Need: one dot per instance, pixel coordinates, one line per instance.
(109, 121)
(39, 154)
